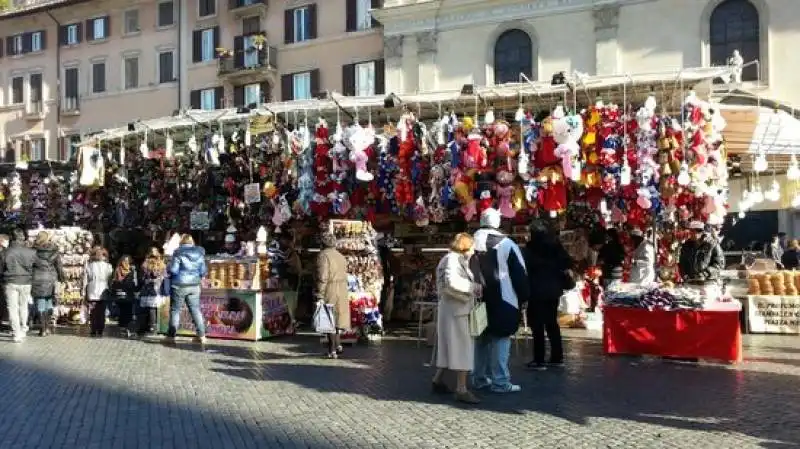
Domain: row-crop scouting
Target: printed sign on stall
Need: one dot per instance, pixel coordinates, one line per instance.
(773, 314)
(275, 315)
(227, 314)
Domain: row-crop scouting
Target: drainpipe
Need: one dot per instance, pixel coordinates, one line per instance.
(180, 55)
(58, 82)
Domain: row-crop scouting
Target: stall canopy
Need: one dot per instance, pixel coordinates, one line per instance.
(670, 87)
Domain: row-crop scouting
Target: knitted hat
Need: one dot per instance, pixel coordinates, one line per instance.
(490, 218)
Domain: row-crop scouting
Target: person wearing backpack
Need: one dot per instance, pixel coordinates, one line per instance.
(502, 274)
(47, 273)
(124, 286)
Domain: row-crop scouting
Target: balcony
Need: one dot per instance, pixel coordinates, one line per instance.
(244, 8)
(34, 111)
(249, 66)
(70, 107)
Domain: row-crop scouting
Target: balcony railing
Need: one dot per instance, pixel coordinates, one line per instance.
(246, 5)
(70, 106)
(35, 110)
(248, 61)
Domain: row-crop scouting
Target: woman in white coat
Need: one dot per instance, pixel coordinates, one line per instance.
(643, 268)
(457, 292)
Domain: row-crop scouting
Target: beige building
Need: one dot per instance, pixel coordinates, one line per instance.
(71, 67)
(444, 44)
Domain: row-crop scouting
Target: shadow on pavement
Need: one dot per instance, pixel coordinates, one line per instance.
(686, 397)
(42, 409)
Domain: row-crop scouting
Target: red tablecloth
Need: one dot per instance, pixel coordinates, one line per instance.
(682, 333)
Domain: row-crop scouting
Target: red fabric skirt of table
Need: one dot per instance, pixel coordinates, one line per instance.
(697, 334)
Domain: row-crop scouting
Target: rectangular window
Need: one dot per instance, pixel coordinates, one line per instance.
(207, 40)
(98, 77)
(37, 149)
(207, 8)
(166, 14)
(166, 67)
(208, 99)
(35, 86)
(250, 56)
(36, 41)
(131, 73)
(17, 90)
(68, 147)
(252, 94)
(131, 18)
(71, 89)
(365, 79)
(251, 25)
(71, 34)
(16, 45)
(99, 28)
(363, 17)
(301, 86)
(301, 24)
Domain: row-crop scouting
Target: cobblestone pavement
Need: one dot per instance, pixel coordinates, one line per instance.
(73, 392)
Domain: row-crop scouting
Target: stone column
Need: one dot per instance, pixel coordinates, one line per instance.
(607, 55)
(426, 54)
(393, 59)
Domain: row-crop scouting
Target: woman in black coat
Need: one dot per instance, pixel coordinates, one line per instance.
(549, 266)
(47, 272)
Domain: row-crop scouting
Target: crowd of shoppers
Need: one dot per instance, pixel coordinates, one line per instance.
(32, 277)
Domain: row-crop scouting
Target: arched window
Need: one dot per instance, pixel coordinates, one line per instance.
(735, 26)
(513, 54)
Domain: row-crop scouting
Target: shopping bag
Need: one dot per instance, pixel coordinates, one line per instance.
(478, 321)
(571, 302)
(323, 319)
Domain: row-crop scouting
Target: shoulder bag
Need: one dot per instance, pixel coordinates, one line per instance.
(478, 320)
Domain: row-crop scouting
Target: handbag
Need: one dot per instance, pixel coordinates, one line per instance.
(323, 318)
(478, 321)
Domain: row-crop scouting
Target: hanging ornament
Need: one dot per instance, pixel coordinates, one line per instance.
(169, 148)
(520, 114)
(143, 147)
(760, 164)
(247, 137)
(192, 144)
(625, 173)
(793, 172)
(683, 177)
(489, 118)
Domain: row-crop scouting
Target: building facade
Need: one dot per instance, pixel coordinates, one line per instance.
(70, 67)
(445, 44)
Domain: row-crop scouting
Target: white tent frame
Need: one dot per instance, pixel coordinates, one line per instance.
(671, 85)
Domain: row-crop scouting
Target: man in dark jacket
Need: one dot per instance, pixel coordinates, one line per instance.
(701, 260)
(16, 267)
(505, 286)
(186, 270)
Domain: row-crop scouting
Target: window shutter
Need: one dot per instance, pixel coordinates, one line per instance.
(89, 28)
(349, 79)
(27, 41)
(264, 90)
(376, 4)
(312, 21)
(197, 44)
(219, 97)
(79, 33)
(351, 18)
(238, 52)
(44, 39)
(194, 99)
(62, 35)
(287, 88)
(107, 23)
(216, 41)
(1, 47)
(315, 83)
(380, 77)
(10, 46)
(288, 26)
(238, 96)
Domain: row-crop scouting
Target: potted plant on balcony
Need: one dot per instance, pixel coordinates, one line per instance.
(224, 53)
(258, 41)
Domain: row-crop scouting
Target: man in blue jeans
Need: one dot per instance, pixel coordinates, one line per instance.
(499, 265)
(187, 268)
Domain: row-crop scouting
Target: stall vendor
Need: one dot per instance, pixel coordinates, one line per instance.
(643, 269)
(701, 261)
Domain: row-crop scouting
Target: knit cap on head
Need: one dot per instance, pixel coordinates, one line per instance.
(490, 218)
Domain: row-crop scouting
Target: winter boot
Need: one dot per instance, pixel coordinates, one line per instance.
(44, 322)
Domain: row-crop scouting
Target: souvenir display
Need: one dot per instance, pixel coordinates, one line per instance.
(74, 246)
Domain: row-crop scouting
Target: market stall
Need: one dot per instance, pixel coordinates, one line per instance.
(634, 152)
(773, 303)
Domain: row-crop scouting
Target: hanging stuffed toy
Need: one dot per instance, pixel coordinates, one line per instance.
(485, 188)
(462, 188)
(359, 141)
(505, 190)
(475, 156)
(421, 217)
